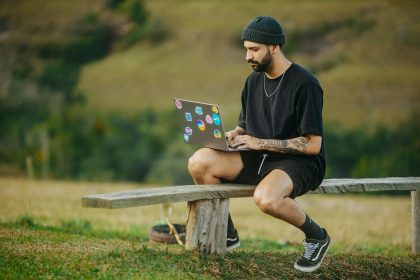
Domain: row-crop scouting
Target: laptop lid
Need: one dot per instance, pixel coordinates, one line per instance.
(201, 124)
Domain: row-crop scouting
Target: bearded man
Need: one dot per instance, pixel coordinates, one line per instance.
(280, 131)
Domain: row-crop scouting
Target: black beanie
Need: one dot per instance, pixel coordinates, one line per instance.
(265, 30)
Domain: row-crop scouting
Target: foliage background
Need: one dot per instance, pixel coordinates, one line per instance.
(86, 86)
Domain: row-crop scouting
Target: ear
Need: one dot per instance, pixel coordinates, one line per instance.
(275, 49)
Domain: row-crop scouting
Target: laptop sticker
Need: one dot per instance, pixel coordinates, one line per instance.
(214, 109)
(199, 110)
(188, 117)
(178, 104)
(188, 130)
(217, 134)
(186, 137)
(216, 119)
(201, 125)
(209, 120)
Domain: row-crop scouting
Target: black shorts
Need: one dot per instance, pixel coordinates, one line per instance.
(306, 172)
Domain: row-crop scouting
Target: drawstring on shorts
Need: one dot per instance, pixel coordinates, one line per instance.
(262, 162)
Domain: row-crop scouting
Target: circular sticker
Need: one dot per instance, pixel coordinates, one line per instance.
(217, 134)
(188, 130)
(216, 119)
(209, 119)
(178, 104)
(201, 125)
(186, 137)
(214, 109)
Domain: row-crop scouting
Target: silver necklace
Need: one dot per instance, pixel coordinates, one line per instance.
(278, 86)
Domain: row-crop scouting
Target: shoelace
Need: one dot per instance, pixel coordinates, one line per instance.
(309, 249)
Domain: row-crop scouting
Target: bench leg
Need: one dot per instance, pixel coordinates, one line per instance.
(415, 210)
(207, 225)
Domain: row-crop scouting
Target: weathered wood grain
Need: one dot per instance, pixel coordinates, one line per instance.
(207, 225)
(152, 196)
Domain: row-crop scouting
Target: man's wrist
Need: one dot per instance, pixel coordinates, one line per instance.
(239, 130)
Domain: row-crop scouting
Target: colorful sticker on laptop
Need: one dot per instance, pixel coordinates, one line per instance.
(209, 120)
(216, 119)
(199, 110)
(186, 138)
(188, 130)
(201, 125)
(217, 134)
(178, 104)
(214, 109)
(188, 117)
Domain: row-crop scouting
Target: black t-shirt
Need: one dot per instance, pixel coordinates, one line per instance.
(294, 110)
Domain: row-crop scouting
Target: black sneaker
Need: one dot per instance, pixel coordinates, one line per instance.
(315, 251)
(232, 241)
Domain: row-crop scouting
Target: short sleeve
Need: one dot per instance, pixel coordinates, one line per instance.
(309, 109)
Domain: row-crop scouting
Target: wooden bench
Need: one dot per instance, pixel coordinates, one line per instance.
(208, 205)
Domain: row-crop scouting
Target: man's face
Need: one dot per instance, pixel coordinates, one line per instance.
(258, 55)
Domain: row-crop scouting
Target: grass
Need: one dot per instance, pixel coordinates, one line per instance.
(45, 233)
(31, 252)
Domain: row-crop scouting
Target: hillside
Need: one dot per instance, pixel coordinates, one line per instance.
(365, 54)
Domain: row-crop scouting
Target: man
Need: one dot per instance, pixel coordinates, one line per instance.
(279, 137)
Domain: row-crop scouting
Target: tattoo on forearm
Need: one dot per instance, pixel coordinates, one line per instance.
(293, 146)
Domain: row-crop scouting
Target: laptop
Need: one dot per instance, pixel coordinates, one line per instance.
(201, 123)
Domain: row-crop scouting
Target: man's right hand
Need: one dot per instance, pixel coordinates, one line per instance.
(230, 135)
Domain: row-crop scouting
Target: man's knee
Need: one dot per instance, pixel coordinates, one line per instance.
(268, 204)
(271, 197)
(201, 161)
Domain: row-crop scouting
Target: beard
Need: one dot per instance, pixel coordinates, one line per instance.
(263, 65)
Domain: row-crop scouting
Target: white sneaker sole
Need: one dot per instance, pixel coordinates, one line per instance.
(312, 268)
(233, 247)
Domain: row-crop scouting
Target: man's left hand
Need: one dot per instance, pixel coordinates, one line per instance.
(242, 142)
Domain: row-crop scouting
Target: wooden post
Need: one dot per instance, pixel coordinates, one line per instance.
(207, 225)
(415, 210)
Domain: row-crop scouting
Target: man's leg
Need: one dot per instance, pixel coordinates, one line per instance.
(272, 196)
(208, 166)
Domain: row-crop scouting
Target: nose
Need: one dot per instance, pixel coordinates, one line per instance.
(248, 56)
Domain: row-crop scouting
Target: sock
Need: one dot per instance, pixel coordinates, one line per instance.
(312, 230)
(231, 228)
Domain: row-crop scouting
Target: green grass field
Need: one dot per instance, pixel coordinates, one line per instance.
(34, 253)
(44, 232)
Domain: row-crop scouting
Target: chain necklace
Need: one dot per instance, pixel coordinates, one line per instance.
(278, 86)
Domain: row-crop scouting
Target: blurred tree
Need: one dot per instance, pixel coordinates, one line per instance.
(172, 167)
(138, 12)
(112, 4)
(39, 87)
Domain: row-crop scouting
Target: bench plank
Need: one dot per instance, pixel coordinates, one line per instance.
(150, 196)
